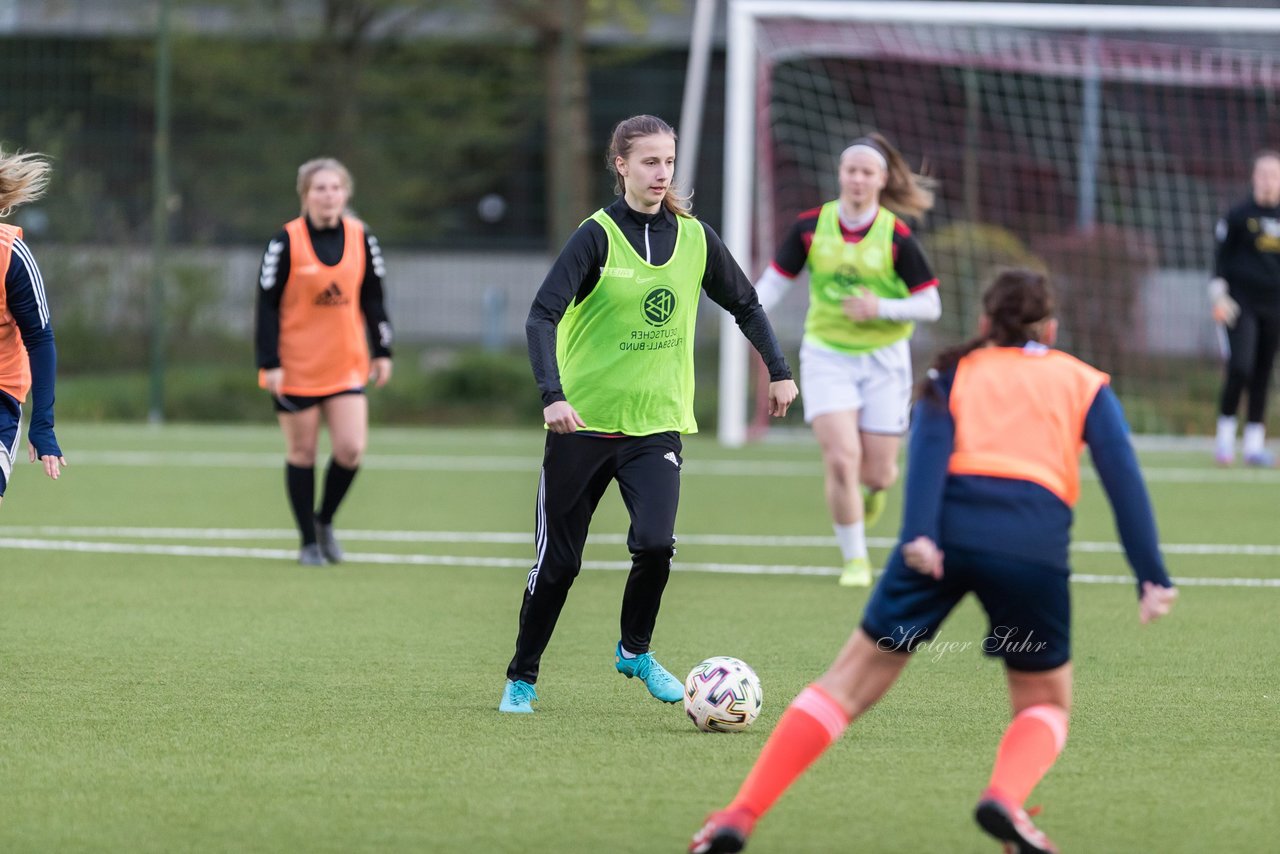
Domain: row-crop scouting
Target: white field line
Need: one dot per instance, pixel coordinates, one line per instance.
(373, 557)
(721, 468)
(91, 547)
(418, 462)
(526, 537)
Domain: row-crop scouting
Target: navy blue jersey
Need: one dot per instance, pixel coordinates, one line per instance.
(26, 302)
(1018, 518)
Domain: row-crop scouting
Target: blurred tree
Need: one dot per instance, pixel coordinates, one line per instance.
(434, 104)
(425, 120)
(559, 28)
(377, 95)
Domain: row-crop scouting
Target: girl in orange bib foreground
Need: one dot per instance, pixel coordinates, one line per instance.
(994, 455)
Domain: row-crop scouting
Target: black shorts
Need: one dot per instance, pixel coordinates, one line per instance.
(10, 427)
(1028, 605)
(299, 402)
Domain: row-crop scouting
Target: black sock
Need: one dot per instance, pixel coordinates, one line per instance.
(336, 483)
(301, 482)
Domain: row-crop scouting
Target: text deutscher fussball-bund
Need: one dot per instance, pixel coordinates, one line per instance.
(652, 339)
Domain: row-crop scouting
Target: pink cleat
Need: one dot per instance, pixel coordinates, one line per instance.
(725, 832)
(1011, 825)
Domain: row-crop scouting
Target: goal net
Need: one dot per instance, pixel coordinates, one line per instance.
(1099, 143)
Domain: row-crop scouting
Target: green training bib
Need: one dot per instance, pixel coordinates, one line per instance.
(626, 351)
(837, 269)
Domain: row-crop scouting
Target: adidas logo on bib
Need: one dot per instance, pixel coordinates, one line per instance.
(331, 295)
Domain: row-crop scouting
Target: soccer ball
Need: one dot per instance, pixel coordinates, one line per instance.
(722, 694)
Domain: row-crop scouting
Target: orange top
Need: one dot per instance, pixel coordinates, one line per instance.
(324, 348)
(15, 367)
(1019, 413)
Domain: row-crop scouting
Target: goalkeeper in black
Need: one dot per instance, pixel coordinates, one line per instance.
(1245, 293)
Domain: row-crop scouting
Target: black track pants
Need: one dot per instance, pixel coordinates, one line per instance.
(1254, 339)
(576, 471)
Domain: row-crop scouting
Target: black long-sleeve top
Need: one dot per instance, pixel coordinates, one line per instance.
(25, 300)
(1248, 254)
(577, 271)
(328, 244)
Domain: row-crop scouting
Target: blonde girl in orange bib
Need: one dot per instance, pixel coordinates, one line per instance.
(322, 335)
(27, 355)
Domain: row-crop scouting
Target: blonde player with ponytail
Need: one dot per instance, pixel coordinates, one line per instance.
(323, 335)
(27, 356)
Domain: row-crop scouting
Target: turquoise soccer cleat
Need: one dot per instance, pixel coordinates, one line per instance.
(518, 697)
(660, 683)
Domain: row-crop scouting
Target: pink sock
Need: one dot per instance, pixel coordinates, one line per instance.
(1028, 750)
(807, 728)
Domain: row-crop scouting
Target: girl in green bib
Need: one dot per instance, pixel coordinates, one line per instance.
(611, 344)
(869, 283)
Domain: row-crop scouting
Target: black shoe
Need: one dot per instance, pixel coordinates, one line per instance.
(310, 555)
(328, 542)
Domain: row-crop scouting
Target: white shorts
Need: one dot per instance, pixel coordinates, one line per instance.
(876, 385)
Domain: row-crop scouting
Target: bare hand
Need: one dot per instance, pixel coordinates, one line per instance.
(562, 418)
(782, 394)
(1156, 601)
(1225, 311)
(862, 306)
(380, 371)
(273, 380)
(924, 556)
(52, 465)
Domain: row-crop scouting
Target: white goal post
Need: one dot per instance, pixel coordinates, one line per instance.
(750, 54)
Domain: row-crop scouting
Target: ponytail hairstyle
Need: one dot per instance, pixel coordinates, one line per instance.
(906, 193)
(621, 141)
(1015, 305)
(23, 178)
(307, 173)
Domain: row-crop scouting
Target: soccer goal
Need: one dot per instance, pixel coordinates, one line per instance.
(1098, 142)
